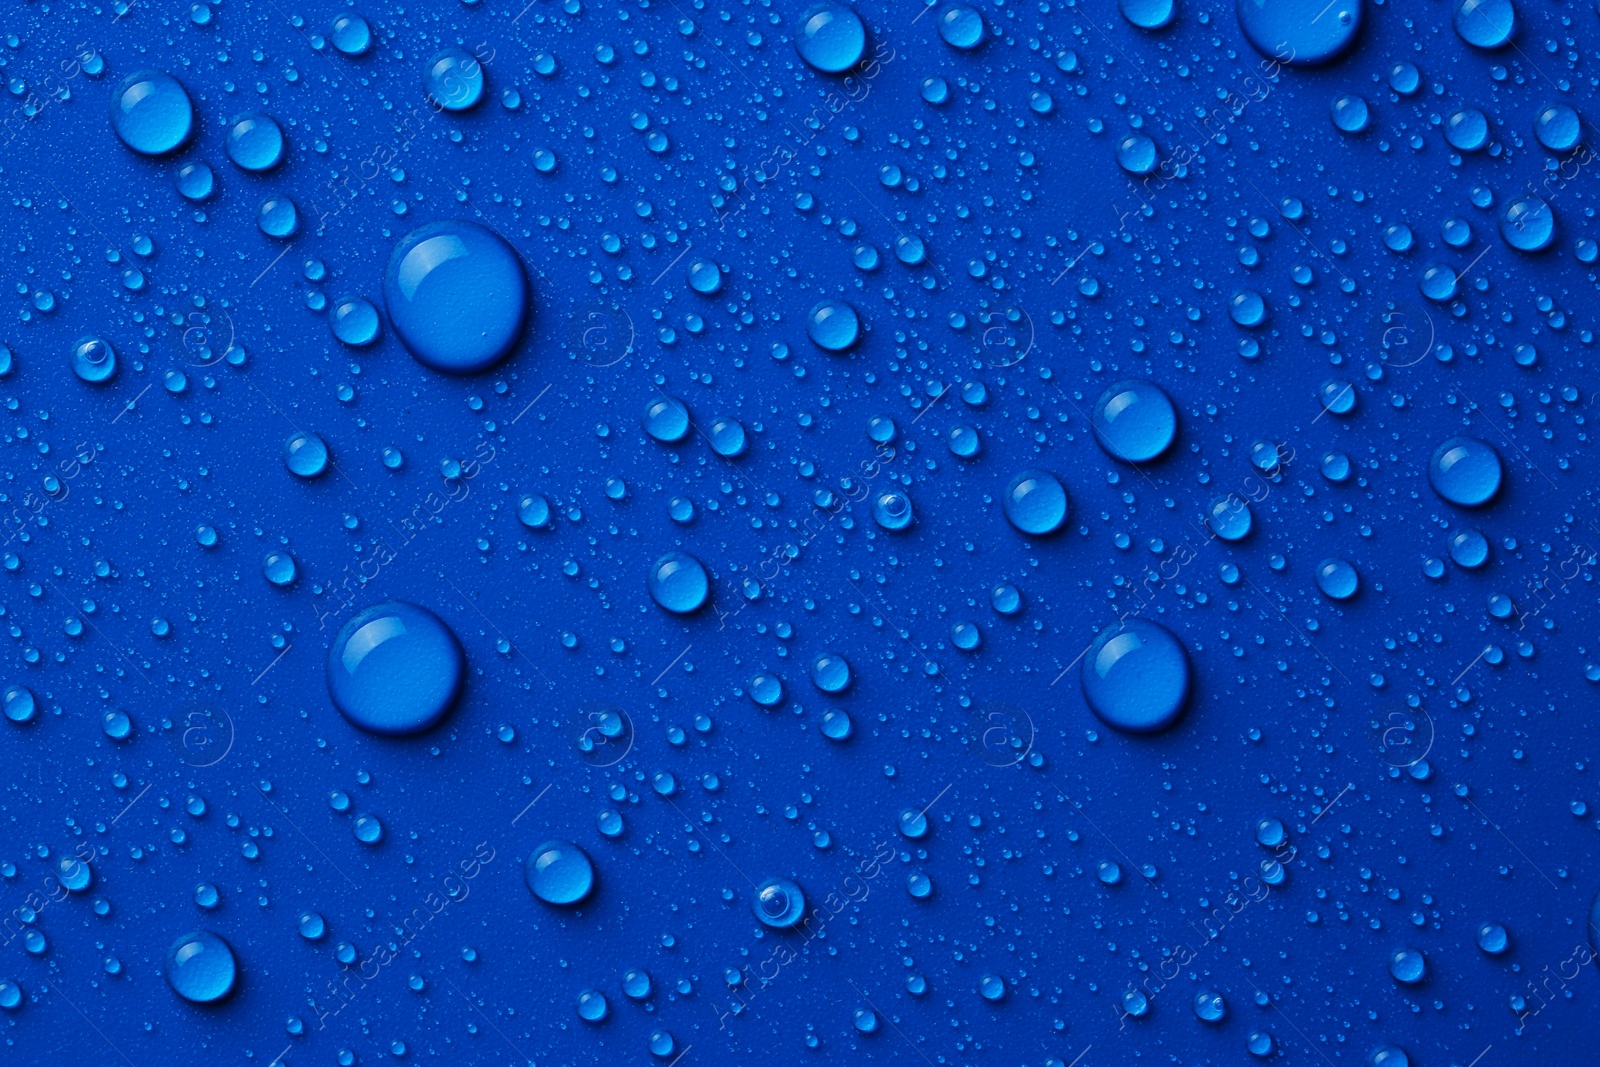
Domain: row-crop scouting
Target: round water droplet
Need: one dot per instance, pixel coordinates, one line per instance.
(280, 569)
(1136, 676)
(255, 142)
(1300, 33)
(1465, 471)
(1337, 579)
(1134, 421)
(195, 181)
(833, 326)
(533, 511)
(94, 360)
(1209, 1007)
(1527, 224)
(1247, 308)
(395, 669)
(592, 1006)
(1557, 127)
(666, 419)
(1467, 129)
(454, 80)
(727, 437)
(559, 872)
(779, 903)
(766, 690)
(1137, 154)
(991, 987)
(1493, 939)
(19, 703)
(836, 725)
(278, 217)
(705, 277)
(831, 38)
(1350, 113)
(830, 673)
(679, 583)
(1469, 548)
(1486, 24)
(1148, 14)
(1036, 502)
(311, 926)
(962, 27)
(355, 321)
(351, 34)
(151, 113)
(1230, 517)
(457, 295)
(201, 967)
(1407, 966)
(306, 455)
(892, 510)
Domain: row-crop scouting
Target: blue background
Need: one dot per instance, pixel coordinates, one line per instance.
(1064, 276)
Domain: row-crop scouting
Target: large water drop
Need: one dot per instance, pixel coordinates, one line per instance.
(1136, 676)
(457, 295)
(395, 669)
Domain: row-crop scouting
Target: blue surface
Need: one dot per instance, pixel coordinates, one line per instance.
(880, 296)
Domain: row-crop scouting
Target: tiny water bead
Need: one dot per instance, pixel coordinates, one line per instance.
(666, 419)
(1137, 154)
(94, 360)
(962, 27)
(151, 113)
(1486, 24)
(1493, 939)
(833, 326)
(831, 38)
(1136, 676)
(1036, 502)
(454, 80)
(1337, 579)
(1300, 33)
(457, 295)
(306, 455)
(1527, 224)
(1134, 421)
(1557, 127)
(1465, 471)
(255, 142)
(395, 669)
(778, 903)
(1408, 966)
(354, 321)
(892, 510)
(560, 873)
(201, 967)
(678, 582)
